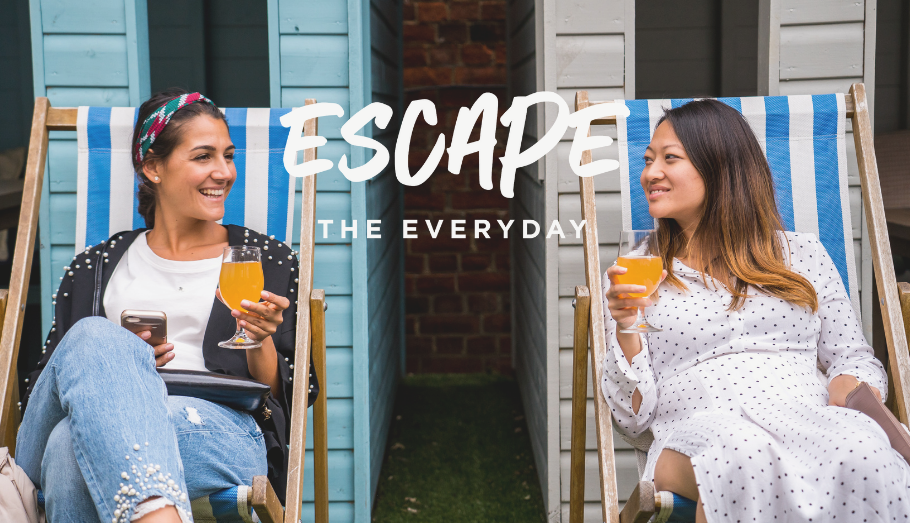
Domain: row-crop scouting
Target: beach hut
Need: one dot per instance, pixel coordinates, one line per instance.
(655, 49)
(268, 53)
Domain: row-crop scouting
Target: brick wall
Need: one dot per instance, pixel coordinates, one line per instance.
(457, 290)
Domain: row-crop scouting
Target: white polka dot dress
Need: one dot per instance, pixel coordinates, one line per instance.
(739, 393)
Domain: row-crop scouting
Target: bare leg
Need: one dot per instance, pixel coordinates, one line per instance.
(674, 473)
(166, 514)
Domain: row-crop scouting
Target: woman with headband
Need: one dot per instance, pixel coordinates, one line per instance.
(100, 435)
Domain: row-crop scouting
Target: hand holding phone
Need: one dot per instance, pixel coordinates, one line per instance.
(151, 326)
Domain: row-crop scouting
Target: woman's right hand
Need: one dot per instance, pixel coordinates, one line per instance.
(623, 308)
(163, 353)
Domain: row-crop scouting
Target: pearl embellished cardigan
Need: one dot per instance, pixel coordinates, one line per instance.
(75, 298)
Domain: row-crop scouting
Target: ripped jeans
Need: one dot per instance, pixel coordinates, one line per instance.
(101, 435)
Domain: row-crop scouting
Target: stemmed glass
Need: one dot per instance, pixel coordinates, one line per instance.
(638, 255)
(241, 279)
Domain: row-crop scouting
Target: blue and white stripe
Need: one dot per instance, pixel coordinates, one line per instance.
(262, 197)
(803, 140)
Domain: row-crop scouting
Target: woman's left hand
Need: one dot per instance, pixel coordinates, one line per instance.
(840, 386)
(263, 318)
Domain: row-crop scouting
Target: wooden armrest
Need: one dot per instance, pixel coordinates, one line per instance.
(264, 501)
(641, 505)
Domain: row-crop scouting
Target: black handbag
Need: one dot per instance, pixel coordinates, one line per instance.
(231, 391)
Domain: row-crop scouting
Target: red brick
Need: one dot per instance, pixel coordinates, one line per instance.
(414, 263)
(410, 285)
(419, 345)
(475, 262)
(488, 32)
(431, 11)
(453, 32)
(448, 304)
(412, 364)
(415, 57)
(416, 304)
(419, 76)
(443, 55)
(482, 200)
(412, 33)
(435, 284)
(442, 243)
(494, 323)
(502, 365)
(505, 344)
(448, 324)
(501, 54)
(494, 244)
(450, 345)
(503, 261)
(443, 263)
(481, 303)
(451, 364)
(506, 302)
(480, 75)
(410, 326)
(493, 11)
(408, 11)
(476, 54)
(430, 202)
(481, 345)
(483, 282)
(466, 11)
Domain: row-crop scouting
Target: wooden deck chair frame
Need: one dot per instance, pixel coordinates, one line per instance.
(310, 328)
(589, 326)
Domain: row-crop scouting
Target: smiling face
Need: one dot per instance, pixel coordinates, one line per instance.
(195, 179)
(674, 188)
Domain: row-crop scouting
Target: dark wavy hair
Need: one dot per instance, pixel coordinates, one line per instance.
(165, 142)
(738, 233)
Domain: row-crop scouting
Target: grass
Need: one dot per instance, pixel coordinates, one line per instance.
(458, 451)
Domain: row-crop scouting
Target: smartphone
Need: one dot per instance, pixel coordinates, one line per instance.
(138, 321)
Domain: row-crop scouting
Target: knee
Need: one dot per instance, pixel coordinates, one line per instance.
(96, 333)
(674, 473)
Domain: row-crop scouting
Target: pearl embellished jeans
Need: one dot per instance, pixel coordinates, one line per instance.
(100, 434)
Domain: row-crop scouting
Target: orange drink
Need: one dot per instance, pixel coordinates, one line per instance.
(640, 270)
(241, 281)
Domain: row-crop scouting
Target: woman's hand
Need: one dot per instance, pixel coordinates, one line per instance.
(622, 307)
(163, 353)
(842, 385)
(263, 318)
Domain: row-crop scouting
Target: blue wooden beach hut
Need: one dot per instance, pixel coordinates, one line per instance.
(97, 53)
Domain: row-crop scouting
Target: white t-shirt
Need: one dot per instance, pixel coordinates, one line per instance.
(183, 290)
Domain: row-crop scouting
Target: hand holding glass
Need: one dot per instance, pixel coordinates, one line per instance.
(643, 267)
(241, 279)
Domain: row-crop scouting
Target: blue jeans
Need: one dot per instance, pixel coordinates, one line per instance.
(101, 435)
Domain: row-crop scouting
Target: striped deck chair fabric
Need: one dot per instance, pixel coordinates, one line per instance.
(262, 197)
(803, 140)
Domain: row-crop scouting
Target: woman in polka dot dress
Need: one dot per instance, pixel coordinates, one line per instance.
(729, 388)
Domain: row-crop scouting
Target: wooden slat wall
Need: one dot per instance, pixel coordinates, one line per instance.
(84, 53)
(529, 316)
(385, 256)
(824, 48)
(595, 51)
(296, 72)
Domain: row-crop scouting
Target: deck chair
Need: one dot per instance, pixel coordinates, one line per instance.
(778, 123)
(107, 204)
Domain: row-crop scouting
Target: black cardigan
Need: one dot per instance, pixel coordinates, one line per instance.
(75, 299)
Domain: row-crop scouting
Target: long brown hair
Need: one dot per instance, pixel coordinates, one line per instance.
(738, 233)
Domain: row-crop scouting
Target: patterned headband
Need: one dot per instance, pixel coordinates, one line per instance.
(156, 122)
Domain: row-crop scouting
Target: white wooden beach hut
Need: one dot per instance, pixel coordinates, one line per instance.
(692, 48)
